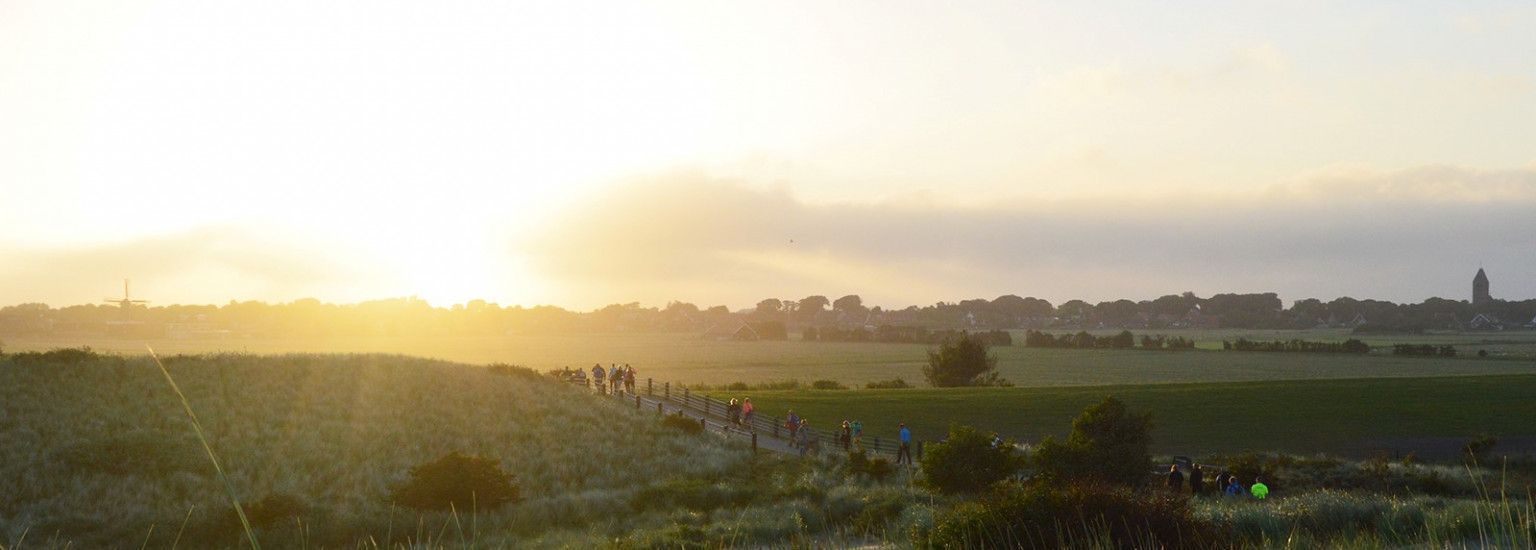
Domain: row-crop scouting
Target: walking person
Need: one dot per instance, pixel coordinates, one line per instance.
(846, 437)
(1223, 479)
(597, 377)
(904, 454)
(746, 410)
(1235, 489)
(629, 379)
(1196, 480)
(856, 429)
(733, 410)
(1260, 490)
(792, 423)
(616, 377)
(1175, 479)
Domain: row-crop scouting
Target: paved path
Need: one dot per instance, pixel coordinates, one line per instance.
(712, 423)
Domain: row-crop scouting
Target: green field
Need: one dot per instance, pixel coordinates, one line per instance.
(1431, 416)
(684, 358)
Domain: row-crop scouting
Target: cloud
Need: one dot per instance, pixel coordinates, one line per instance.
(1400, 235)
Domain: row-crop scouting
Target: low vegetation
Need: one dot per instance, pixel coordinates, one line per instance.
(963, 361)
(372, 450)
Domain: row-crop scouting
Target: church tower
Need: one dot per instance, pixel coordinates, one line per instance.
(1480, 294)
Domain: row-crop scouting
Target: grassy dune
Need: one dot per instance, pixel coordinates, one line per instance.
(1352, 416)
(101, 452)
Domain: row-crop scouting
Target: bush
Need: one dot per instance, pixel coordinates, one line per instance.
(1478, 448)
(828, 385)
(1108, 444)
(968, 461)
(962, 361)
(267, 511)
(878, 468)
(457, 481)
(1043, 516)
(682, 423)
(892, 384)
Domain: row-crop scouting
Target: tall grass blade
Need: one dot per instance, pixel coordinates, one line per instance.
(183, 526)
(197, 426)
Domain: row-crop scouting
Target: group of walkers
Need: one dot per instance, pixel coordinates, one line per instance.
(617, 378)
(1227, 484)
(614, 379)
(739, 412)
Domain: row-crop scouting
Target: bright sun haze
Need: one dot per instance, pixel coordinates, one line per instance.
(582, 153)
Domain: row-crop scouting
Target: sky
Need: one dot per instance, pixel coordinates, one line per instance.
(585, 153)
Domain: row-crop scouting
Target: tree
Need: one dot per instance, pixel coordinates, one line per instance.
(1076, 310)
(851, 304)
(963, 361)
(1108, 444)
(769, 306)
(969, 461)
(814, 304)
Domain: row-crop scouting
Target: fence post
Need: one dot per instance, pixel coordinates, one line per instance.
(754, 442)
(919, 451)
(658, 407)
(877, 443)
(685, 394)
(776, 424)
(650, 389)
(702, 425)
(637, 402)
(668, 388)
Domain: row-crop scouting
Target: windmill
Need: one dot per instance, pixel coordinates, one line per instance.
(127, 302)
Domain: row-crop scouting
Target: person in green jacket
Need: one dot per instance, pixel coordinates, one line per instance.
(1259, 489)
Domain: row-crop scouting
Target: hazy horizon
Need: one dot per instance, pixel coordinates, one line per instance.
(589, 153)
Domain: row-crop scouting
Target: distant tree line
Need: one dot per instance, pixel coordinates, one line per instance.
(1424, 350)
(412, 316)
(1296, 345)
(902, 335)
(1122, 340)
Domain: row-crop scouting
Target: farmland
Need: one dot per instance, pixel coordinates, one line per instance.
(684, 358)
(1350, 416)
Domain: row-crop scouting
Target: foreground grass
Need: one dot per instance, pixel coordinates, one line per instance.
(1352, 417)
(684, 358)
(98, 453)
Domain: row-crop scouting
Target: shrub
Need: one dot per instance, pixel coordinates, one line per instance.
(457, 481)
(1108, 444)
(878, 468)
(1044, 516)
(1477, 448)
(828, 385)
(963, 361)
(892, 384)
(969, 461)
(267, 511)
(682, 423)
